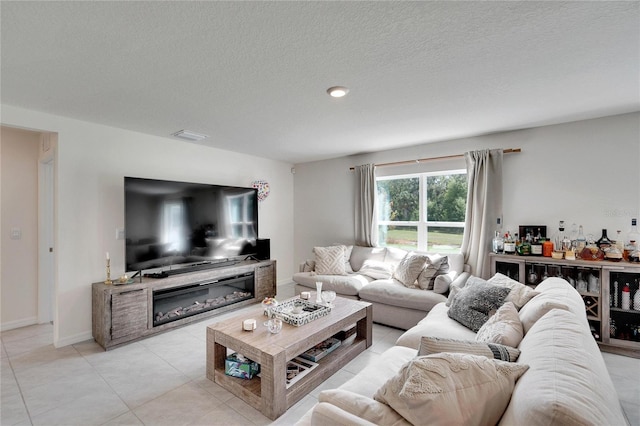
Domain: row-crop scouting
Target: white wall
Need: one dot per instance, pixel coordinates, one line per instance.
(587, 172)
(92, 160)
(19, 277)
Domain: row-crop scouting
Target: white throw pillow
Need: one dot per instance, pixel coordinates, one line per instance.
(442, 282)
(434, 266)
(409, 268)
(376, 269)
(330, 260)
(451, 388)
(434, 345)
(520, 294)
(503, 327)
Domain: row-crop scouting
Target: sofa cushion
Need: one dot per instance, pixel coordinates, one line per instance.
(520, 294)
(410, 268)
(349, 285)
(362, 407)
(475, 302)
(434, 345)
(392, 292)
(359, 254)
(376, 269)
(503, 327)
(434, 266)
(324, 414)
(379, 370)
(567, 382)
(436, 324)
(452, 388)
(330, 260)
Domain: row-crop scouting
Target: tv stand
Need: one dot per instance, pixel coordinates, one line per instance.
(124, 313)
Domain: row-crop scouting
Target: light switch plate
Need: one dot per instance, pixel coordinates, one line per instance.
(119, 233)
(16, 233)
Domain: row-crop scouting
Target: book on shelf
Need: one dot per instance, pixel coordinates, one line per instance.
(297, 368)
(321, 350)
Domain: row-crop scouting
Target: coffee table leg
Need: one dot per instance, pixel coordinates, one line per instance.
(364, 327)
(273, 386)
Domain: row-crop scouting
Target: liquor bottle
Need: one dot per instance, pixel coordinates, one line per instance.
(604, 241)
(497, 243)
(509, 244)
(536, 244)
(560, 237)
(581, 240)
(632, 240)
(525, 247)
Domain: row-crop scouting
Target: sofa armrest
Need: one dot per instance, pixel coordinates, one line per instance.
(460, 280)
(325, 414)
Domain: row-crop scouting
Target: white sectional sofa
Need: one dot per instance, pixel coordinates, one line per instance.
(366, 277)
(566, 382)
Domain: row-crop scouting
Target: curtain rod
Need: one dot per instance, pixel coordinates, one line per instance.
(445, 157)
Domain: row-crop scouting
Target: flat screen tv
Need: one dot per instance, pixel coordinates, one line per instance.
(174, 225)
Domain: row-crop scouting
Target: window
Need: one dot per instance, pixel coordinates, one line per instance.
(423, 211)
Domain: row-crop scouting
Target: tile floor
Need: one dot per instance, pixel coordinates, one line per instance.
(161, 381)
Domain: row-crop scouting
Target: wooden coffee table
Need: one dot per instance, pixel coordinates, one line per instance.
(268, 393)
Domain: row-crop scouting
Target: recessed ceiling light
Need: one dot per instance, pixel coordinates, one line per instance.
(189, 135)
(337, 91)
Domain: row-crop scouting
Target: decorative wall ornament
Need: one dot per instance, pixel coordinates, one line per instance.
(263, 188)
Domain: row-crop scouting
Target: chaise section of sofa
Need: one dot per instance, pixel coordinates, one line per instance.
(369, 276)
(566, 381)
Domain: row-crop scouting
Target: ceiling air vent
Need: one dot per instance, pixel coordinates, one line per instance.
(188, 135)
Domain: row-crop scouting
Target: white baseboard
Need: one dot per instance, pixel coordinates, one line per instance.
(71, 340)
(5, 326)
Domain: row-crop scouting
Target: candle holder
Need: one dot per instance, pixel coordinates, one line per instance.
(108, 280)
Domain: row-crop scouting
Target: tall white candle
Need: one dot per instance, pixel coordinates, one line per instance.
(107, 255)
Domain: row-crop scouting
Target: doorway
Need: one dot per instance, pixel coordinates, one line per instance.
(46, 254)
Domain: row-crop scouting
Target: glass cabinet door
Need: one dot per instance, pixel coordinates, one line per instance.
(624, 306)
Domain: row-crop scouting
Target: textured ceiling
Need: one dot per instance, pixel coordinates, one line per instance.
(253, 75)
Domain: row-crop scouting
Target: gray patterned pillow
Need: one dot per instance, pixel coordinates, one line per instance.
(474, 304)
(434, 345)
(409, 268)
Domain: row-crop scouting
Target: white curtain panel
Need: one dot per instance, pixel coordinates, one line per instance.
(484, 206)
(365, 203)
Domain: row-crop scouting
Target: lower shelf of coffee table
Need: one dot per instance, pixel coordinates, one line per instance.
(251, 390)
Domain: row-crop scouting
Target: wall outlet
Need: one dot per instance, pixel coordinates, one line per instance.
(119, 233)
(16, 233)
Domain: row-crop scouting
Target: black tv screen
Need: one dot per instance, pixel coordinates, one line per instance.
(177, 223)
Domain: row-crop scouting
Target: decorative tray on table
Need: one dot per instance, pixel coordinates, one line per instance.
(287, 311)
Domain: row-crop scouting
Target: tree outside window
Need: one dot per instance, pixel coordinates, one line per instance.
(423, 212)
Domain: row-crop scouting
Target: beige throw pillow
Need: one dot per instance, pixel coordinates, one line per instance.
(537, 308)
(434, 266)
(409, 268)
(503, 327)
(451, 388)
(434, 345)
(520, 294)
(330, 260)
